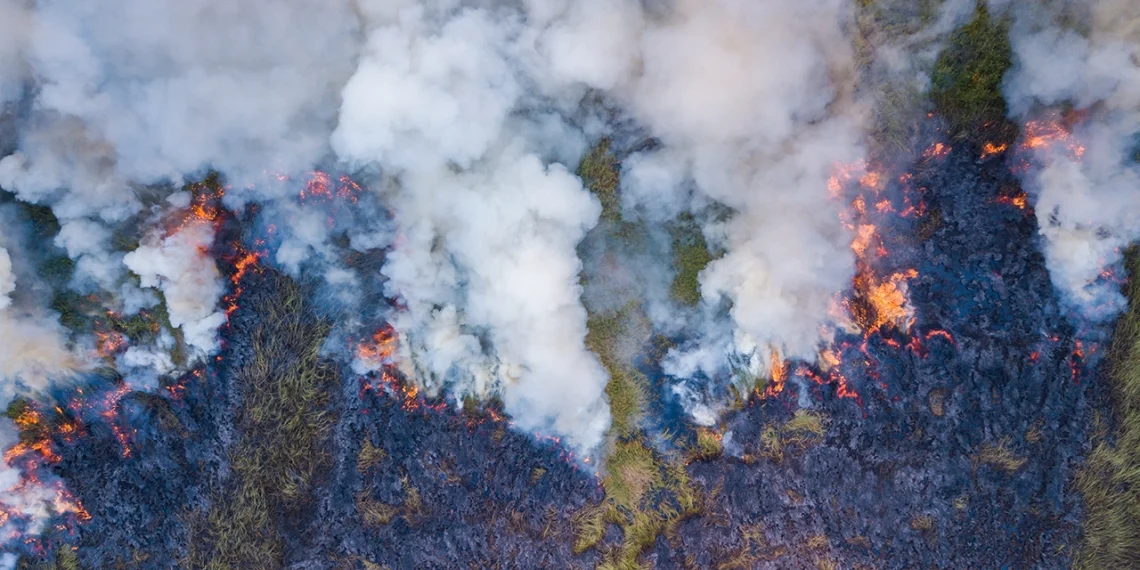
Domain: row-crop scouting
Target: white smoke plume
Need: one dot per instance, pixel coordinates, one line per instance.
(1085, 187)
(7, 279)
(189, 279)
(485, 258)
(32, 349)
(13, 30)
(752, 102)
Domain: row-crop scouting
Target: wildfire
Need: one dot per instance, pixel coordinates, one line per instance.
(880, 302)
(319, 187)
(35, 437)
(381, 348)
(205, 206)
(108, 343)
(1051, 134)
(991, 149)
(245, 261)
(936, 150)
(779, 371)
(1019, 200)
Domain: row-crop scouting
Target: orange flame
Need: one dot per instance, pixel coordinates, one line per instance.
(936, 150)
(246, 261)
(108, 343)
(1048, 134)
(779, 372)
(991, 149)
(1019, 200)
(381, 348)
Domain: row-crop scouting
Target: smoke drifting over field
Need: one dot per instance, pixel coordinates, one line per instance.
(468, 119)
(1086, 166)
(464, 121)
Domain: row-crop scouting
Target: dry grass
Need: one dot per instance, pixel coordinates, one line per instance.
(283, 428)
(999, 456)
(1110, 481)
(369, 456)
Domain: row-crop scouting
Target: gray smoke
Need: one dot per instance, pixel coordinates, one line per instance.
(1085, 54)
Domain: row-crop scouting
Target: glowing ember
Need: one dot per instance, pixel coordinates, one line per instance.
(1019, 200)
(35, 438)
(1050, 135)
(245, 261)
(107, 344)
(110, 411)
(381, 348)
(937, 150)
(319, 187)
(991, 149)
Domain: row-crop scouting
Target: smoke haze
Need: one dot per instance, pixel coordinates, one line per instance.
(1087, 55)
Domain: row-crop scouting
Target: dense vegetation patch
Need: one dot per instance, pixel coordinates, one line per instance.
(966, 83)
(283, 427)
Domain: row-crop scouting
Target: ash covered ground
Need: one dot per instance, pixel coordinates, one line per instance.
(958, 449)
(569, 284)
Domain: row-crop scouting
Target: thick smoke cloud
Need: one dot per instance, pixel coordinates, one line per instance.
(1085, 187)
(189, 279)
(753, 104)
(485, 258)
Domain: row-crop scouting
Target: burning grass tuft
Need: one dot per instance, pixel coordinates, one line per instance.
(966, 83)
(283, 427)
(1110, 481)
(708, 445)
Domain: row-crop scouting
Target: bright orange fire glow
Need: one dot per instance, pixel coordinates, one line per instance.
(779, 371)
(319, 187)
(1019, 200)
(246, 261)
(936, 150)
(880, 302)
(991, 149)
(381, 348)
(108, 343)
(110, 410)
(35, 438)
(1050, 134)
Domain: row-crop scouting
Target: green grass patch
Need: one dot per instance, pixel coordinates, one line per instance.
(599, 173)
(1110, 481)
(626, 388)
(64, 558)
(966, 83)
(283, 431)
(632, 472)
(690, 256)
